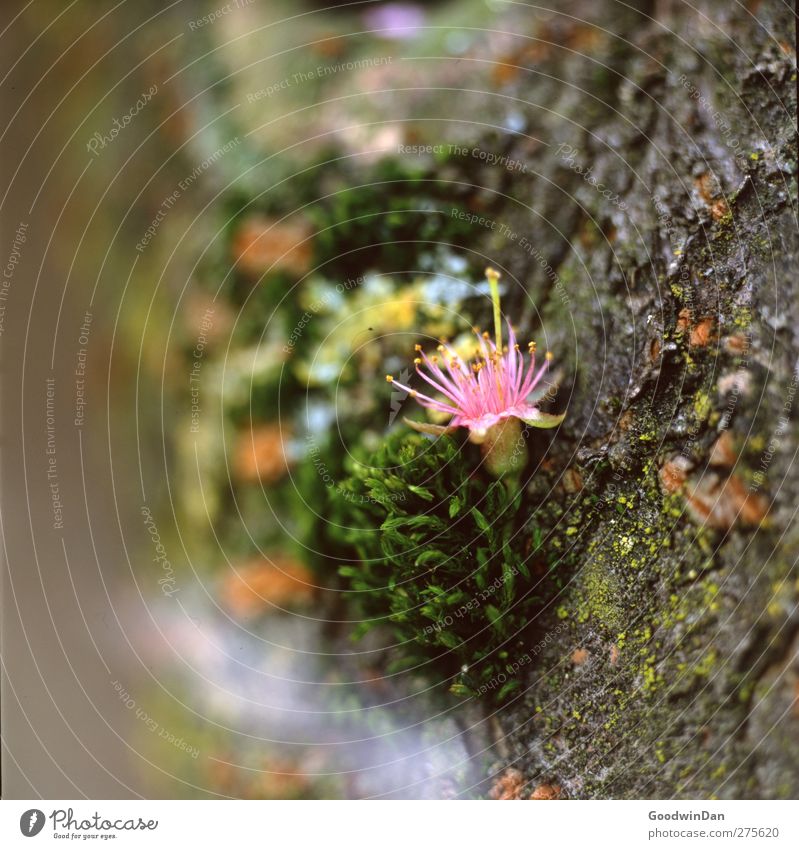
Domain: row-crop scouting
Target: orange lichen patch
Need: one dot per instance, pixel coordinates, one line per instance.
(673, 474)
(655, 347)
(546, 791)
(715, 500)
(626, 420)
(701, 333)
(752, 507)
(260, 454)
(579, 656)
(572, 481)
(614, 654)
(736, 344)
(507, 786)
(258, 585)
(723, 452)
(707, 186)
(261, 244)
(723, 502)
(718, 209)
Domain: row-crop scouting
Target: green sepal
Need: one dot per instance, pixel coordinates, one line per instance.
(544, 420)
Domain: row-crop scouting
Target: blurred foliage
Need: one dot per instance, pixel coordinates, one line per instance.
(306, 332)
(383, 222)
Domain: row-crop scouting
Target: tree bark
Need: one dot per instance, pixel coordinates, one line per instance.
(665, 280)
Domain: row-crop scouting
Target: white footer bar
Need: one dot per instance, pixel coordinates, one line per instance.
(401, 825)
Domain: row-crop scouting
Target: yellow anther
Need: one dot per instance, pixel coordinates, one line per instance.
(549, 356)
(389, 378)
(417, 361)
(417, 347)
(485, 334)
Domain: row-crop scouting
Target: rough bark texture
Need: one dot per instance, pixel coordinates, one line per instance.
(670, 669)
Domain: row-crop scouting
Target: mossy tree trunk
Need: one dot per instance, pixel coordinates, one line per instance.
(665, 280)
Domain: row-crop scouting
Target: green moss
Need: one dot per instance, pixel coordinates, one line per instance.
(742, 317)
(599, 596)
(706, 664)
(702, 406)
(439, 561)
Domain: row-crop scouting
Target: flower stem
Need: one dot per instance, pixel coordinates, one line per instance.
(493, 281)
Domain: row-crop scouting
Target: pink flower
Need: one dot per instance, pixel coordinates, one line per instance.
(489, 396)
(480, 395)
